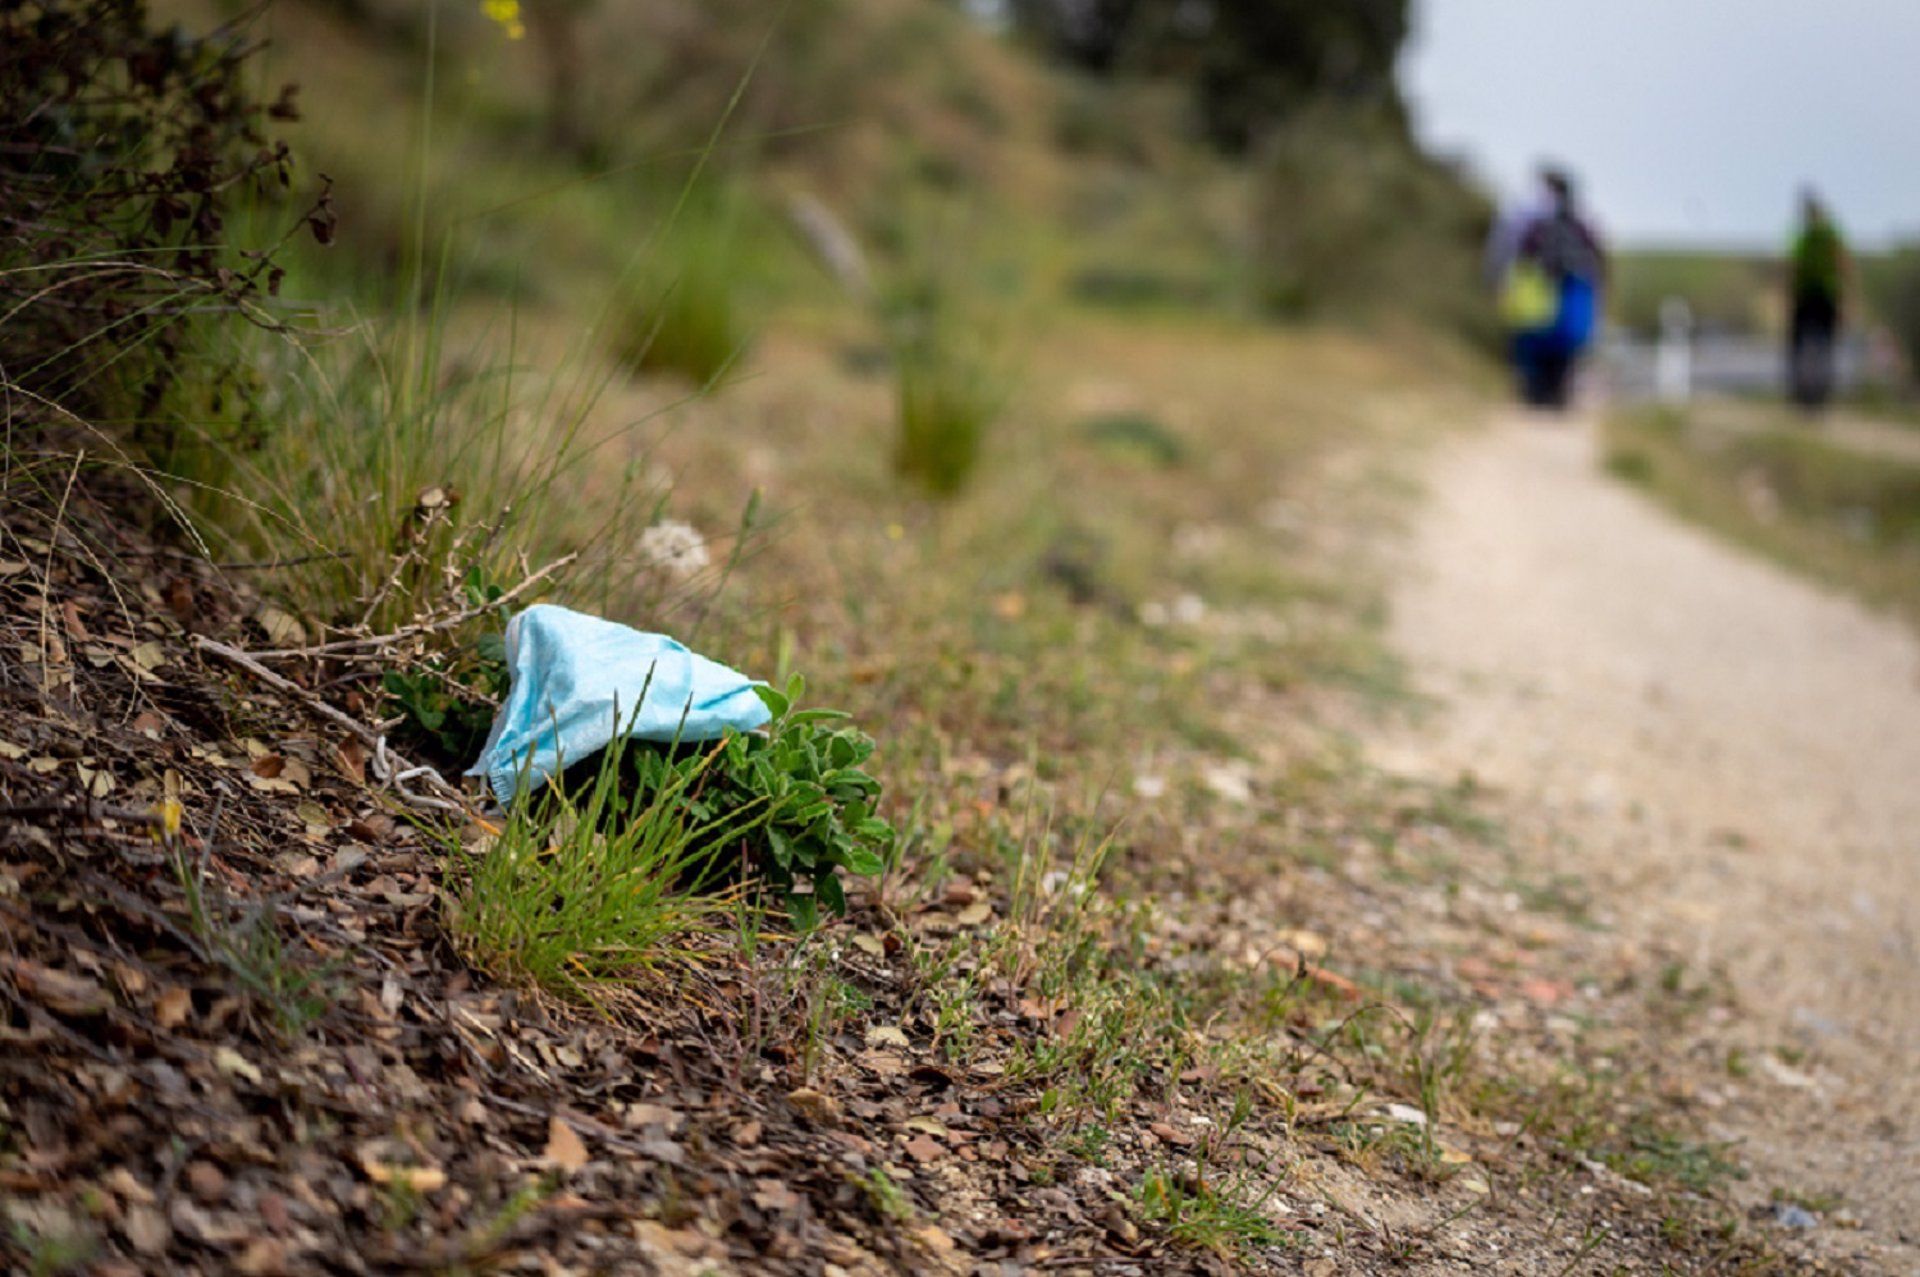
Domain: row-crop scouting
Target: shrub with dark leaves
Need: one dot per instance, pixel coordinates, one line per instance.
(123, 151)
(789, 806)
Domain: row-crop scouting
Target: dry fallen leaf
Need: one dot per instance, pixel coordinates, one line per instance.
(263, 1257)
(974, 914)
(58, 990)
(1172, 1135)
(283, 628)
(882, 1063)
(565, 1148)
(379, 1159)
(938, 1246)
(886, 1035)
(315, 819)
(147, 1229)
(1310, 944)
(639, 1115)
(351, 757)
(772, 1195)
(268, 773)
(97, 781)
(1545, 993)
(121, 1181)
(171, 1008)
(819, 1107)
(228, 1060)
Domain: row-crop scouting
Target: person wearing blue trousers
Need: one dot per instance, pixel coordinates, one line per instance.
(1550, 248)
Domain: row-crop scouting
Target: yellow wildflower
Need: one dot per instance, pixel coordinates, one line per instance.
(506, 15)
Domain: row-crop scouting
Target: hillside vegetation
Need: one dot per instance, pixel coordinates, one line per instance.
(868, 352)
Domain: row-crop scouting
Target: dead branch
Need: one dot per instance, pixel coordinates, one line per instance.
(405, 632)
(389, 767)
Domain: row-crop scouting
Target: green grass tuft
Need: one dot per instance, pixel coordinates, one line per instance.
(946, 405)
(1226, 1220)
(1138, 435)
(576, 893)
(1771, 482)
(683, 311)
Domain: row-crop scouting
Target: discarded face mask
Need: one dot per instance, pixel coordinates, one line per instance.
(579, 680)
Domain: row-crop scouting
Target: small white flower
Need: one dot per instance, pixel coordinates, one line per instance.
(1232, 780)
(675, 548)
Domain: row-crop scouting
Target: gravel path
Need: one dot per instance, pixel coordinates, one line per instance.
(1735, 755)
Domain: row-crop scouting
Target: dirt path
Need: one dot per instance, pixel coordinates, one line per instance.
(1735, 756)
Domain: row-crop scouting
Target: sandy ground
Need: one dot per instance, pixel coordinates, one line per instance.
(1735, 757)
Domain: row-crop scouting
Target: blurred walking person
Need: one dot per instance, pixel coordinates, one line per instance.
(1549, 265)
(1817, 268)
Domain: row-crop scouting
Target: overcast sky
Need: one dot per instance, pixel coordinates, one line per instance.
(1689, 121)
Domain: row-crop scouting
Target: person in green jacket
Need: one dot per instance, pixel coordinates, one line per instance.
(1817, 267)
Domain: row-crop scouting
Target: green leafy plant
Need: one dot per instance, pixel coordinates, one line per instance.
(816, 808)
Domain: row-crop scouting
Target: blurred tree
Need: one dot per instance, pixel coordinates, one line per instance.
(1250, 62)
(555, 28)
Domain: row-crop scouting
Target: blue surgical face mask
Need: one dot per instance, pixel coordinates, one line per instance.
(579, 681)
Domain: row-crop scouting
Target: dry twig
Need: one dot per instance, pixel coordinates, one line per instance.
(374, 642)
(388, 766)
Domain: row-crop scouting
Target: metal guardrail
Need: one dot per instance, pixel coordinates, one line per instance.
(1722, 364)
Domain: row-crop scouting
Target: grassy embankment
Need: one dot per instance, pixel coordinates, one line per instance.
(1099, 781)
(1800, 494)
(1130, 865)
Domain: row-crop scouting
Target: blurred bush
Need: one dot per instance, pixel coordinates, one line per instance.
(1138, 436)
(946, 404)
(950, 383)
(125, 149)
(1728, 292)
(681, 309)
(1247, 66)
(1892, 283)
(1351, 219)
